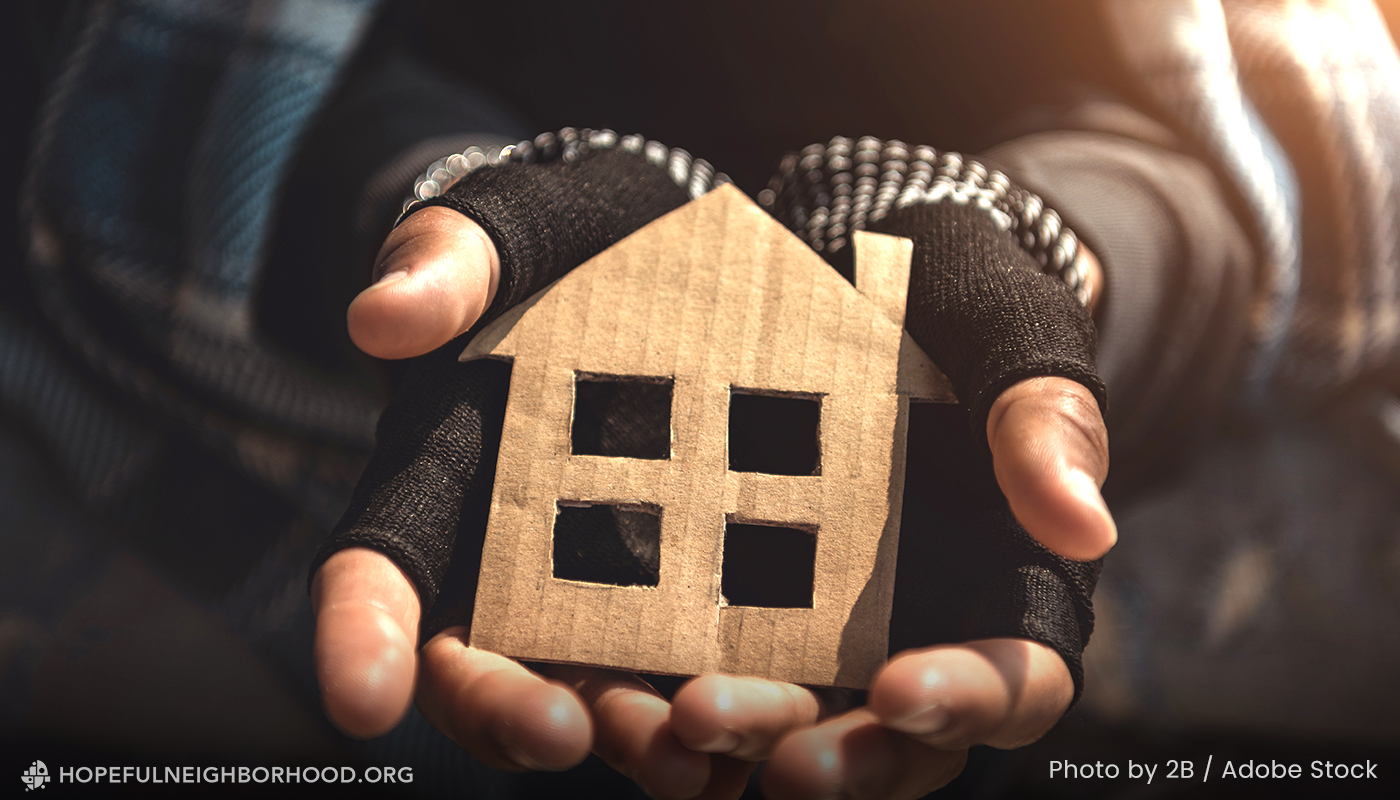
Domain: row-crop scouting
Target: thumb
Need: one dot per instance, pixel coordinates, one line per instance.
(1050, 453)
(435, 276)
(366, 635)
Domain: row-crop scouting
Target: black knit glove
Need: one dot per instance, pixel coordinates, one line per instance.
(548, 205)
(996, 295)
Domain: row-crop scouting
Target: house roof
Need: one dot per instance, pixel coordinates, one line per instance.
(720, 282)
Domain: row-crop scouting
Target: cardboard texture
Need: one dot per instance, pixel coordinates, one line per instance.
(717, 297)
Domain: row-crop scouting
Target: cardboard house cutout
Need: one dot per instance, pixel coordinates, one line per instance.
(714, 304)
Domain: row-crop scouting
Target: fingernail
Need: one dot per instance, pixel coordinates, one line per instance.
(1085, 487)
(518, 756)
(726, 742)
(924, 722)
(390, 277)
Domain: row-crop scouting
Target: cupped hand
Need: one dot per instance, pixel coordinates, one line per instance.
(436, 274)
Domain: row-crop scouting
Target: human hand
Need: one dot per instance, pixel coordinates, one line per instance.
(435, 276)
(368, 611)
(442, 272)
(926, 706)
(995, 298)
(929, 704)
(1050, 453)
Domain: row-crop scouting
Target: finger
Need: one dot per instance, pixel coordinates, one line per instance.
(435, 275)
(634, 734)
(1050, 453)
(366, 630)
(741, 717)
(1002, 692)
(506, 716)
(852, 756)
(729, 777)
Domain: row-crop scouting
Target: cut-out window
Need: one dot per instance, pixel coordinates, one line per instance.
(769, 566)
(774, 433)
(623, 417)
(617, 545)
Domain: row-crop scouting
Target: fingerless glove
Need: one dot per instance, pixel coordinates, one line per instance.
(997, 294)
(548, 205)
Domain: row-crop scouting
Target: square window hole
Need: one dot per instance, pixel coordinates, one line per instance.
(617, 545)
(769, 566)
(774, 433)
(623, 417)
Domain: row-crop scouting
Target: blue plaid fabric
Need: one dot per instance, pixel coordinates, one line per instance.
(157, 165)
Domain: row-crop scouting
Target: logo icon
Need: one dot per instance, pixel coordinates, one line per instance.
(36, 776)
